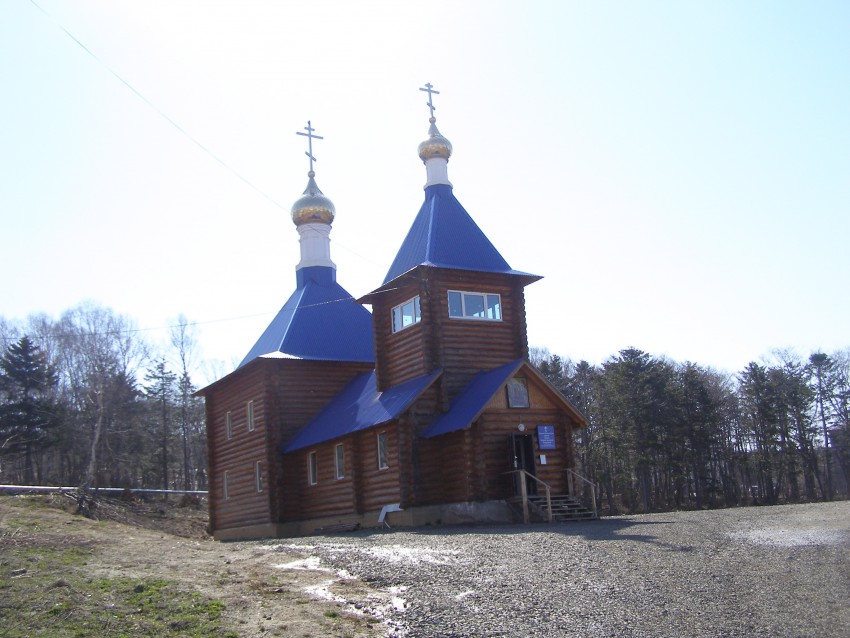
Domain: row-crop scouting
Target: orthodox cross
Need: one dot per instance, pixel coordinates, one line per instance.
(429, 89)
(310, 137)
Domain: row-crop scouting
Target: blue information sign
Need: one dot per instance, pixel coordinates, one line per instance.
(546, 437)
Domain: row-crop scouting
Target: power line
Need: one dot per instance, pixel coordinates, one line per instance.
(189, 323)
(150, 104)
(180, 129)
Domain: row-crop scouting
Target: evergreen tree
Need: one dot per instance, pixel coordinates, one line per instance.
(822, 368)
(161, 389)
(759, 419)
(838, 383)
(28, 414)
(641, 407)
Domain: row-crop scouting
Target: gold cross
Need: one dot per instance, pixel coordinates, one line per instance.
(310, 137)
(429, 89)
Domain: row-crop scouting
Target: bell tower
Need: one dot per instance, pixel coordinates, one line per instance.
(449, 301)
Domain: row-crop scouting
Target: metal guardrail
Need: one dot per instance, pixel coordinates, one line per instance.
(108, 490)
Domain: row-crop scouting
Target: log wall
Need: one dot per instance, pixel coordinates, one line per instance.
(402, 355)
(365, 486)
(287, 393)
(329, 496)
(238, 455)
(379, 486)
(445, 468)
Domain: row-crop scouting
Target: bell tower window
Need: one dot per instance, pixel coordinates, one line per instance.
(475, 305)
(406, 314)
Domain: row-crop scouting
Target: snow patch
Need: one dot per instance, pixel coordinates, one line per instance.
(397, 602)
(778, 537)
(399, 554)
(388, 553)
(323, 591)
(379, 607)
(311, 563)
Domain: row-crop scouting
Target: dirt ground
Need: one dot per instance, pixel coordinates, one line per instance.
(158, 540)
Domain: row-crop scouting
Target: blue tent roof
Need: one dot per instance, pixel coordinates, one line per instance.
(472, 401)
(320, 321)
(444, 235)
(358, 406)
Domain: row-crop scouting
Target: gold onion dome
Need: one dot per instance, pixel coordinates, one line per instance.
(436, 145)
(313, 207)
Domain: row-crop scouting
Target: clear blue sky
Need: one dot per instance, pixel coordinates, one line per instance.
(678, 172)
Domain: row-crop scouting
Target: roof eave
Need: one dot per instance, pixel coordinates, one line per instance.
(203, 391)
(369, 297)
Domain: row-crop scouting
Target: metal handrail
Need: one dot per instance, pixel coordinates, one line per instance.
(524, 492)
(108, 490)
(570, 474)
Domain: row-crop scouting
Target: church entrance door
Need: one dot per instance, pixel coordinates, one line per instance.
(522, 458)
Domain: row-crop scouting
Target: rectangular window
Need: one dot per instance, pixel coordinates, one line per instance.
(250, 416)
(258, 471)
(475, 305)
(340, 461)
(383, 456)
(224, 490)
(406, 314)
(228, 426)
(312, 468)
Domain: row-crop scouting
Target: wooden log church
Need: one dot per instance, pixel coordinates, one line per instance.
(424, 411)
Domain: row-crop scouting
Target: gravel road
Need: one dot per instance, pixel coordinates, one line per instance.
(759, 571)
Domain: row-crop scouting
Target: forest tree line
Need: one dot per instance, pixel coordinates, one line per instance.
(86, 401)
(664, 435)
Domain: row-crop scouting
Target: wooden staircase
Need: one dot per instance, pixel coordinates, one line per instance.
(546, 507)
(564, 508)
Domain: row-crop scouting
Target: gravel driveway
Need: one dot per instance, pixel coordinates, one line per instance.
(766, 571)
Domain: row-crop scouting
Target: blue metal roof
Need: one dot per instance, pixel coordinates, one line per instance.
(444, 235)
(358, 406)
(320, 321)
(472, 401)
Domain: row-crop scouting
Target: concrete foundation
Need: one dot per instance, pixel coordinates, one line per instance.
(467, 513)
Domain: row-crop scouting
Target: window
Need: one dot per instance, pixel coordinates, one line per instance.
(312, 468)
(258, 471)
(406, 314)
(228, 426)
(517, 393)
(224, 490)
(383, 456)
(340, 461)
(475, 305)
(250, 416)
